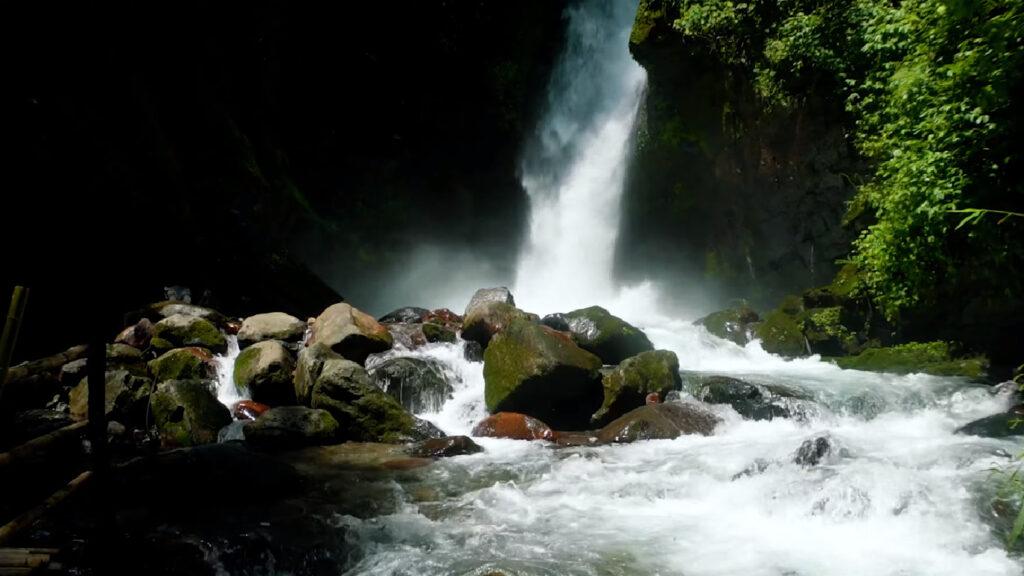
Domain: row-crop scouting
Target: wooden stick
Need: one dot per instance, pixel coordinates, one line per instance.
(41, 444)
(48, 364)
(25, 557)
(9, 530)
(14, 315)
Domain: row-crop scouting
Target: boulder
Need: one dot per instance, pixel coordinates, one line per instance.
(271, 326)
(438, 333)
(557, 321)
(486, 295)
(137, 335)
(407, 315)
(734, 324)
(749, 400)
(123, 354)
(659, 422)
(643, 379)
(781, 333)
(307, 369)
(609, 337)
(445, 447)
(408, 336)
(187, 413)
(180, 330)
(248, 409)
(1000, 425)
(534, 370)
(292, 426)
(445, 317)
(926, 357)
(265, 370)
(125, 397)
(488, 318)
(514, 426)
(363, 411)
(350, 332)
(817, 450)
(419, 385)
(169, 308)
(190, 363)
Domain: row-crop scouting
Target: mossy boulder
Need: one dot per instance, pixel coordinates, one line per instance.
(749, 400)
(827, 334)
(187, 413)
(484, 320)
(308, 366)
(734, 324)
(609, 337)
(627, 386)
(123, 354)
(781, 333)
(537, 371)
(927, 357)
(420, 385)
(659, 422)
(438, 333)
(487, 295)
(169, 308)
(181, 330)
(265, 370)
(350, 332)
(364, 412)
(125, 397)
(844, 289)
(292, 426)
(192, 363)
(271, 326)
(445, 447)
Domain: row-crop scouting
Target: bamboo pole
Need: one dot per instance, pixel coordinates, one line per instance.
(40, 445)
(9, 530)
(10, 335)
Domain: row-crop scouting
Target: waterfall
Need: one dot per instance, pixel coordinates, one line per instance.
(574, 169)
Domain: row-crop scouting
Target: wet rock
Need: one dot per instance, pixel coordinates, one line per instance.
(631, 384)
(446, 318)
(125, 397)
(557, 321)
(473, 351)
(292, 426)
(514, 426)
(925, 357)
(781, 332)
(659, 421)
(265, 370)
(408, 336)
(484, 320)
(73, 372)
(137, 335)
(407, 315)
(350, 332)
(248, 409)
(445, 447)
(1002, 425)
(180, 330)
(534, 370)
(30, 424)
(271, 326)
(814, 451)
(609, 337)
(418, 384)
(233, 432)
(364, 412)
(580, 438)
(187, 413)
(438, 333)
(307, 369)
(487, 295)
(169, 308)
(190, 363)
(734, 324)
(123, 354)
(749, 400)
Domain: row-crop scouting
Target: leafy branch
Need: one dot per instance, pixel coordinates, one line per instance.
(974, 215)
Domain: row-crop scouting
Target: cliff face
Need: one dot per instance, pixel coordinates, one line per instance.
(231, 146)
(737, 200)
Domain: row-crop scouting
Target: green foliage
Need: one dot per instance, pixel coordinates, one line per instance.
(929, 85)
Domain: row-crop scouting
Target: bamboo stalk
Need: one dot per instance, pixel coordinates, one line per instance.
(25, 557)
(40, 444)
(12, 528)
(10, 335)
(48, 364)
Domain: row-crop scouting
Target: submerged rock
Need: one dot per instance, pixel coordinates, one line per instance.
(1002, 425)
(816, 450)
(190, 363)
(350, 332)
(292, 426)
(187, 413)
(749, 400)
(609, 337)
(180, 330)
(514, 426)
(733, 324)
(535, 370)
(659, 422)
(632, 383)
(265, 371)
(445, 447)
(271, 326)
(419, 385)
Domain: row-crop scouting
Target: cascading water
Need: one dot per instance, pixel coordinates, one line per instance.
(896, 493)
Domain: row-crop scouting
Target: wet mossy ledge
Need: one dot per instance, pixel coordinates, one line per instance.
(838, 322)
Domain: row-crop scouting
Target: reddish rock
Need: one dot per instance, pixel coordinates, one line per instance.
(513, 425)
(446, 318)
(232, 326)
(248, 410)
(652, 398)
(137, 336)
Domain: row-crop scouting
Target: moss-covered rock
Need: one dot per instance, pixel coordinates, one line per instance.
(180, 330)
(192, 363)
(826, 333)
(627, 386)
(307, 369)
(420, 385)
(438, 333)
(534, 370)
(927, 357)
(734, 324)
(168, 308)
(350, 332)
(609, 337)
(292, 426)
(486, 319)
(659, 422)
(781, 333)
(125, 397)
(266, 370)
(363, 411)
(271, 326)
(187, 413)
(844, 289)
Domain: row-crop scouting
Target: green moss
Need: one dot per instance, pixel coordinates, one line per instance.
(245, 368)
(826, 334)
(647, 16)
(160, 344)
(927, 357)
(781, 333)
(437, 333)
(611, 338)
(187, 413)
(182, 330)
(730, 324)
(181, 364)
(627, 387)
